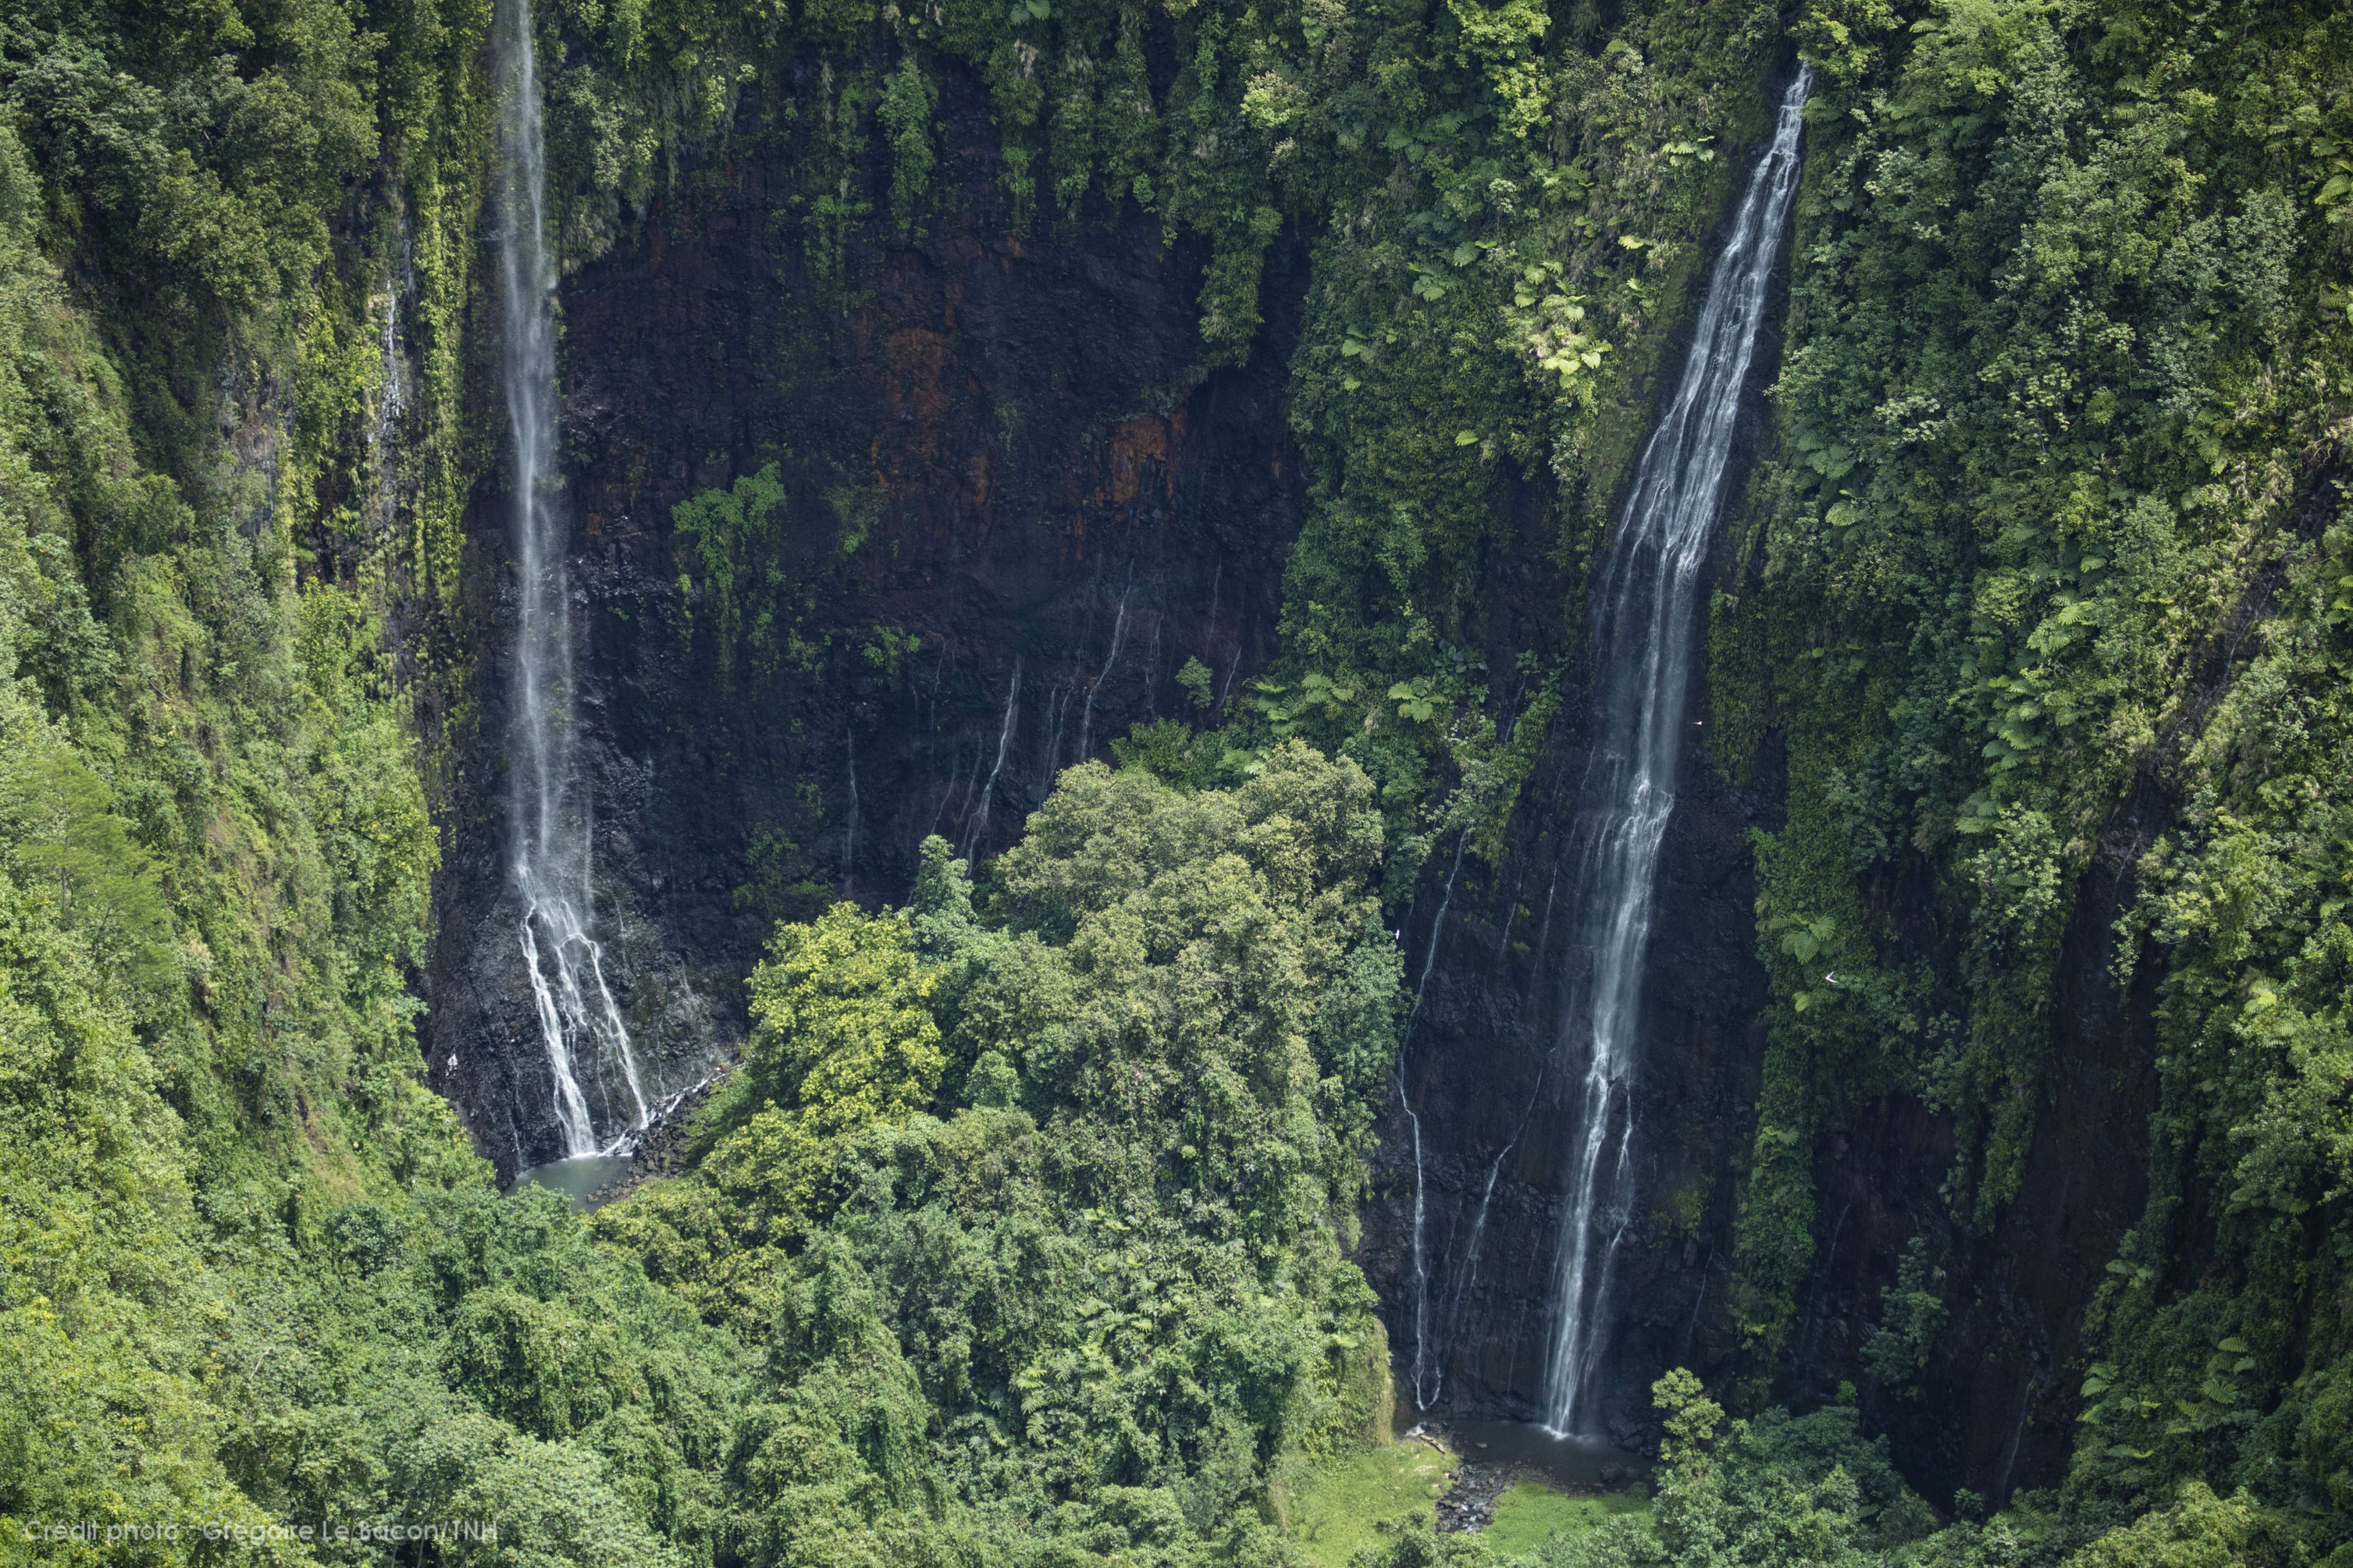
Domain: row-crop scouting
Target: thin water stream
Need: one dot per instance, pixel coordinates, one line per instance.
(1643, 604)
(588, 1043)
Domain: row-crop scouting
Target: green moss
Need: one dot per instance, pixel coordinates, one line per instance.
(1530, 1513)
(1979, 597)
(733, 542)
(1342, 1508)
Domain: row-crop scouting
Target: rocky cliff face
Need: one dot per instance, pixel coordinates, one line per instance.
(1463, 1232)
(1014, 505)
(1994, 1408)
(1493, 1081)
(1492, 1087)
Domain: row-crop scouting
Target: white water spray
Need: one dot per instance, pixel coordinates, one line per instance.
(578, 1021)
(1643, 606)
(1420, 1275)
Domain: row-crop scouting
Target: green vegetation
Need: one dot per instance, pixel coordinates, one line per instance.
(1036, 1209)
(213, 845)
(1809, 1490)
(1377, 1499)
(1341, 1507)
(2057, 437)
(1530, 1513)
(2066, 380)
(1506, 211)
(1017, 1239)
(1021, 1236)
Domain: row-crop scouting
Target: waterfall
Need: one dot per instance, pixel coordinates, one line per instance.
(1643, 606)
(579, 1023)
(1421, 1273)
(1430, 959)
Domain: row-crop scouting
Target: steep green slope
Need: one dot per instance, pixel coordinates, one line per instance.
(252, 1280)
(217, 850)
(2060, 425)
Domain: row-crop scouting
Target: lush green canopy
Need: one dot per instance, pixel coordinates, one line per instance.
(1038, 1209)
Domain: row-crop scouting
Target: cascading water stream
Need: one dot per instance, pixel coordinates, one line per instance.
(1644, 625)
(977, 825)
(1424, 1395)
(579, 1022)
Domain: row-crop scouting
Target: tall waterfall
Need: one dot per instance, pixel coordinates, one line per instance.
(549, 860)
(1644, 613)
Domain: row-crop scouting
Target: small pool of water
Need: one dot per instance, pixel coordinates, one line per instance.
(1572, 1463)
(578, 1177)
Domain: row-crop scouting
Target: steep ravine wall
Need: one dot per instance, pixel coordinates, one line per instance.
(1494, 1082)
(2018, 1293)
(1993, 1410)
(1494, 1086)
(1014, 507)
(1471, 1310)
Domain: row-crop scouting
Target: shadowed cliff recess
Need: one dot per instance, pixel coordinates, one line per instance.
(857, 567)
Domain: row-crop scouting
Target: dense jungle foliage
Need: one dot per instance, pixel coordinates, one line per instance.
(1018, 1239)
(2057, 520)
(1021, 1235)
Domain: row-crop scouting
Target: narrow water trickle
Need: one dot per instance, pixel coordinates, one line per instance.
(1437, 932)
(1424, 1366)
(1421, 1367)
(579, 1023)
(391, 402)
(1118, 632)
(1466, 1278)
(1643, 604)
(977, 825)
(850, 828)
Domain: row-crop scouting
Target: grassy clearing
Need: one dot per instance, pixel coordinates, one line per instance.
(1529, 1511)
(1344, 1505)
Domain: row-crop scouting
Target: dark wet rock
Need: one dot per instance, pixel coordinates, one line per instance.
(1016, 503)
(1470, 1501)
(1494, 1078)
(660, 1150)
